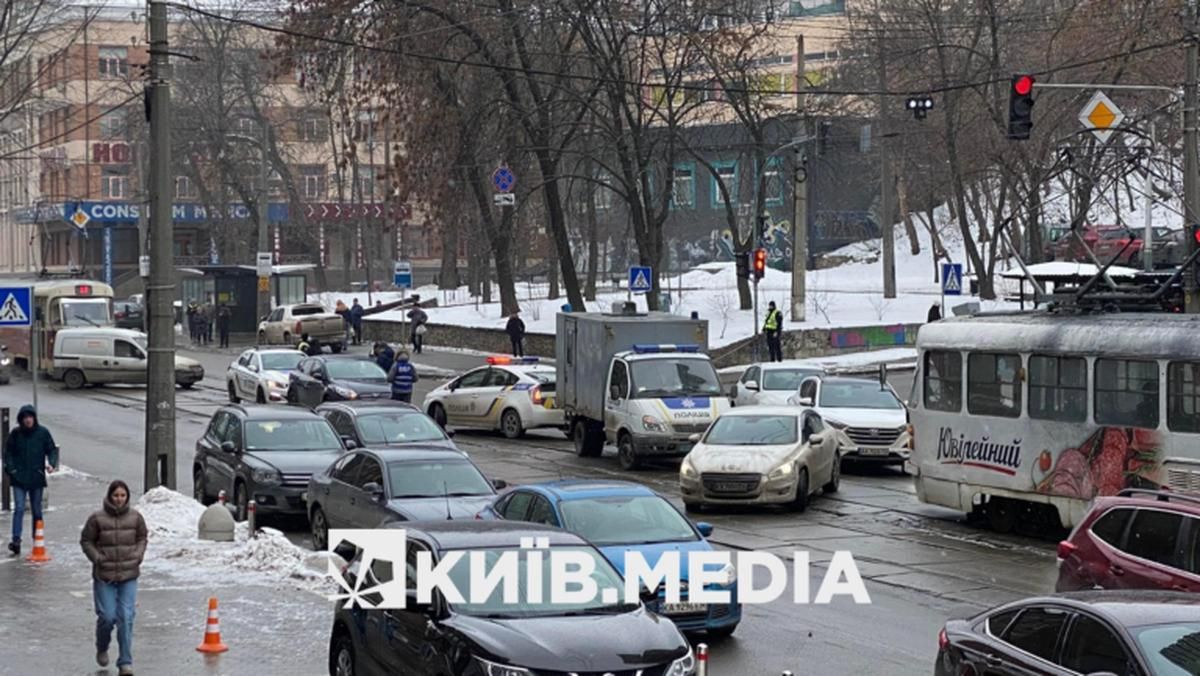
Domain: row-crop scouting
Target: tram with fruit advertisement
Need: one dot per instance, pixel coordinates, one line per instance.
(59, 304)
(1026, 417)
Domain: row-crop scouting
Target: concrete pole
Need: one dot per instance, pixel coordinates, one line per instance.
(264, 287)
(886, 184)
(160, 291)
(1148, 197)
(799, 196)
(1191, 163)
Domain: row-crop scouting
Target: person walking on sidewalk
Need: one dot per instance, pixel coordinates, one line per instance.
(28, 455)
(771, 329)
(403, 376)
(224, 315)
(516, 334)
(419, 318)
(356, 317)
(114, 540)
(343, 311)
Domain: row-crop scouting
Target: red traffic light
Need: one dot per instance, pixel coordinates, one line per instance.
(1196, 233)
(760, 263)
(1023, 85)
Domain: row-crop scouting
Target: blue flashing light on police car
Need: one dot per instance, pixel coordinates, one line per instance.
(644, 348)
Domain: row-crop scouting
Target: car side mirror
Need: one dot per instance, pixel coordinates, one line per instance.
(254, 368)
(412, 605)
(228, 447)
(614, 392)
(375, 491)
(806, 401)
(695, 438)
(349, 442)
(705, 528)
(499, 484)
(816, 439)
(751, 385)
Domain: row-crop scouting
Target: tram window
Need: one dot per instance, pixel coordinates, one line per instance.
(1127, 393)
(1183, 396)
(943, 381)
(1058, 388)
(993, 384)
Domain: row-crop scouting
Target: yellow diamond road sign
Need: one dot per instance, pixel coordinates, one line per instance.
(80, 218)
(1102, 116)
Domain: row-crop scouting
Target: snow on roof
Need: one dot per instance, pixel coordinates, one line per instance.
(1066, 269)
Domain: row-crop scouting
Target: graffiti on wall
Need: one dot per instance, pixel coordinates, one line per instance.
(777, 241)
(873, 336)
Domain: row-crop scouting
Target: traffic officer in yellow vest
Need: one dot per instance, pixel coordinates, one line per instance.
(771, 328)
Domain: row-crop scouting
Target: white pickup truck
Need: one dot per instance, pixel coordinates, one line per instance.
(287, 323)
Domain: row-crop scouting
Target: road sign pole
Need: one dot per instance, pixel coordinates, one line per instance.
(35, 354)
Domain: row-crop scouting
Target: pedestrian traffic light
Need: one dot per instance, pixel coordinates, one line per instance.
(760, 263)
(743, 264)
(1020, 108)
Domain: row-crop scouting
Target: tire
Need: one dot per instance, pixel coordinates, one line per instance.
(626, 454)
(693, 507)
(187, 386)
(233, 397)
(337, 348)
(293, 398)
(588, 444)
(74, 379)
(262, 337)
(200, 487)
(438, 413)
(260, 397)
(721, 633)
(341, 656)
(835, 476)
(800, 502)
(1002, 514)
(319, 529)
(510, 424)
(241, 500)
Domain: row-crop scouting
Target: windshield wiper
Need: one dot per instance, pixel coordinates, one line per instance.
(85, 319)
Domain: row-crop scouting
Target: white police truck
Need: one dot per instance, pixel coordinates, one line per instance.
(640, 381)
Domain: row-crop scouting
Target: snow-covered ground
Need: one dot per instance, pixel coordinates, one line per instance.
(898, 357)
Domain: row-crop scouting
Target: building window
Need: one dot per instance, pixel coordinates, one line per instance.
(364, 127)
(726, 175)
(943, 381)
(773, 186)
(114, 62)
(683, 188)
(113, 125)
(366, 183)
(994, 384)
(1058, 388)
(1183, 397)
(1127, 393)
(313, 182)
(313, 129)
(114, 184)
(246, 125)
(184, 188)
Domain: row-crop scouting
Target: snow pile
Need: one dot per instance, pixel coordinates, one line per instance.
(65, 472)
(176, 550)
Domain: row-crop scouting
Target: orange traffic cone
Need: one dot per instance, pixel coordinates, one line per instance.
(212, 631)
(38, 555)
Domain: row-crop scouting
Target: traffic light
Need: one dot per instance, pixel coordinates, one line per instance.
(919, 106)
(1194, 231)
(743, 264)
(760, 263)
(1020, 108)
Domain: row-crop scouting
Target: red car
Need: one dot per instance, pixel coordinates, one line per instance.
(1138, 539)
(1112, 244)
(1067, 248)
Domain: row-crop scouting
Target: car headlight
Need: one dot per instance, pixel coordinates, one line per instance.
(276, 385)
(781, 471)
(652, 424)
(687, 469)
(728, 575)
(837, 425)
(345, 392)
(266, 476)
(495, 669)
(684, 666)
(5, 361)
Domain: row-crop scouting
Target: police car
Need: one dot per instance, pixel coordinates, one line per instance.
(261, 375)
(510, 394)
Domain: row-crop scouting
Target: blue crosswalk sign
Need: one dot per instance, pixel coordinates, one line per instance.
(952, 279)
(639, 279)
(16, 306)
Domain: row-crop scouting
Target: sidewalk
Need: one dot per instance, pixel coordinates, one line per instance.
(50, 621)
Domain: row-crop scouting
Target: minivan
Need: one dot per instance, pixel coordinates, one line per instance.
(103, 356)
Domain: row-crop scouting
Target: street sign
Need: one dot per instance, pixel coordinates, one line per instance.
(952, 279)
(503, 179)
(1102, 116)
(264, 283)
(80, 217)
(144, 266)
(504, 199)
(402, 275)
(16, 308)
(262, 263)
(639, 279)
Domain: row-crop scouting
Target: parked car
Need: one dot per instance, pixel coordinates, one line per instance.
(620, 517)
(383, 424)
(368, 488)
(287, 323)
(1138, 539)
(771, 383)
(263, 453)
(1050, 239)
(1124, 247)
(1067, 247)
(865, 417)
(336, 378)
(512, 395)
(261, 374)
(129, 314)
(107, 355)
(497, 639)
(761, 455)
(1099, 633)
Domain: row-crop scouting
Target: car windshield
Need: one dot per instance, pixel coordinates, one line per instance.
(626, 520)
(532, 604)
(752, 430)
(436, 478)
(1171, 649)
(674, 378)
(290, 435)
(85, 312)
(303, 310)
(281, 361)
(1162, 233)
(398, 428)
(865, 394)
(354, 369)
(785, 379)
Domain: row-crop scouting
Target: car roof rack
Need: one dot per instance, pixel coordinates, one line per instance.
(1161, 495)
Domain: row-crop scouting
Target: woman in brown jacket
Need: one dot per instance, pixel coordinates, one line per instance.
(114, 540)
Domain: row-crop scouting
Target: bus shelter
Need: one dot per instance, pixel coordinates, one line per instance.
(237, 287)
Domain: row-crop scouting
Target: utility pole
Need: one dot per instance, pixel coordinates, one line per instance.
(1148, 197)
(799, 194)
(886, 184)
(160, 292)
(264, 246)
(1191, 163)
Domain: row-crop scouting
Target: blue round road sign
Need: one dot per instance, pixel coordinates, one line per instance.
(503, 179)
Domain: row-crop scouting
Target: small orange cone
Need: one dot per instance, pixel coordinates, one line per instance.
(212, 631)
(38, 555)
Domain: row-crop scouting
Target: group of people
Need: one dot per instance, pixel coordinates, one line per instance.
(402, 374)
(352, 318)
(113, 539)
(201, 319)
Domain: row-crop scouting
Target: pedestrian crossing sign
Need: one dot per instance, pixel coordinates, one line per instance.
(952, 279)
(15, 309)
(639, 279)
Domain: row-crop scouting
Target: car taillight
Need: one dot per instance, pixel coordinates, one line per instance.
(1066, 549)
(943, 640)
(536, 394)
(297, 328)
(120, 315)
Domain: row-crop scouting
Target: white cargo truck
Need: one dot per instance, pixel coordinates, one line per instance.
(641, 381)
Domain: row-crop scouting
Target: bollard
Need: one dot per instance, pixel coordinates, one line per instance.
(702, 659)
(251, 518)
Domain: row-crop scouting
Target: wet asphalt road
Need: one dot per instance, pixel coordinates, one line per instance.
(922, 564)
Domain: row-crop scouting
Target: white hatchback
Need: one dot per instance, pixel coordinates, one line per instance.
(867, 419)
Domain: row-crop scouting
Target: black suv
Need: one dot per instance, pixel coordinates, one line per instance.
(263, 453)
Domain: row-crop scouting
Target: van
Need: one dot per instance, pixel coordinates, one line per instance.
(102, 356)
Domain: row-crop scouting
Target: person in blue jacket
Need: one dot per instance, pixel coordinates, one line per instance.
(403, 376)
(28, 455)
(384, 356)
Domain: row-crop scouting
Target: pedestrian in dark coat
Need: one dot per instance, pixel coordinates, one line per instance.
(935, 313)
(224, 317)
(193, 320)
(516, 334)
(356, 317)
(28, 455)
(416, 334)
(114, 540)
(384, 356)
(210, 318)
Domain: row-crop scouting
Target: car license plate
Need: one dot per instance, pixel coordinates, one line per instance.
(731, 486)
(874, 451)
(682, 608)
